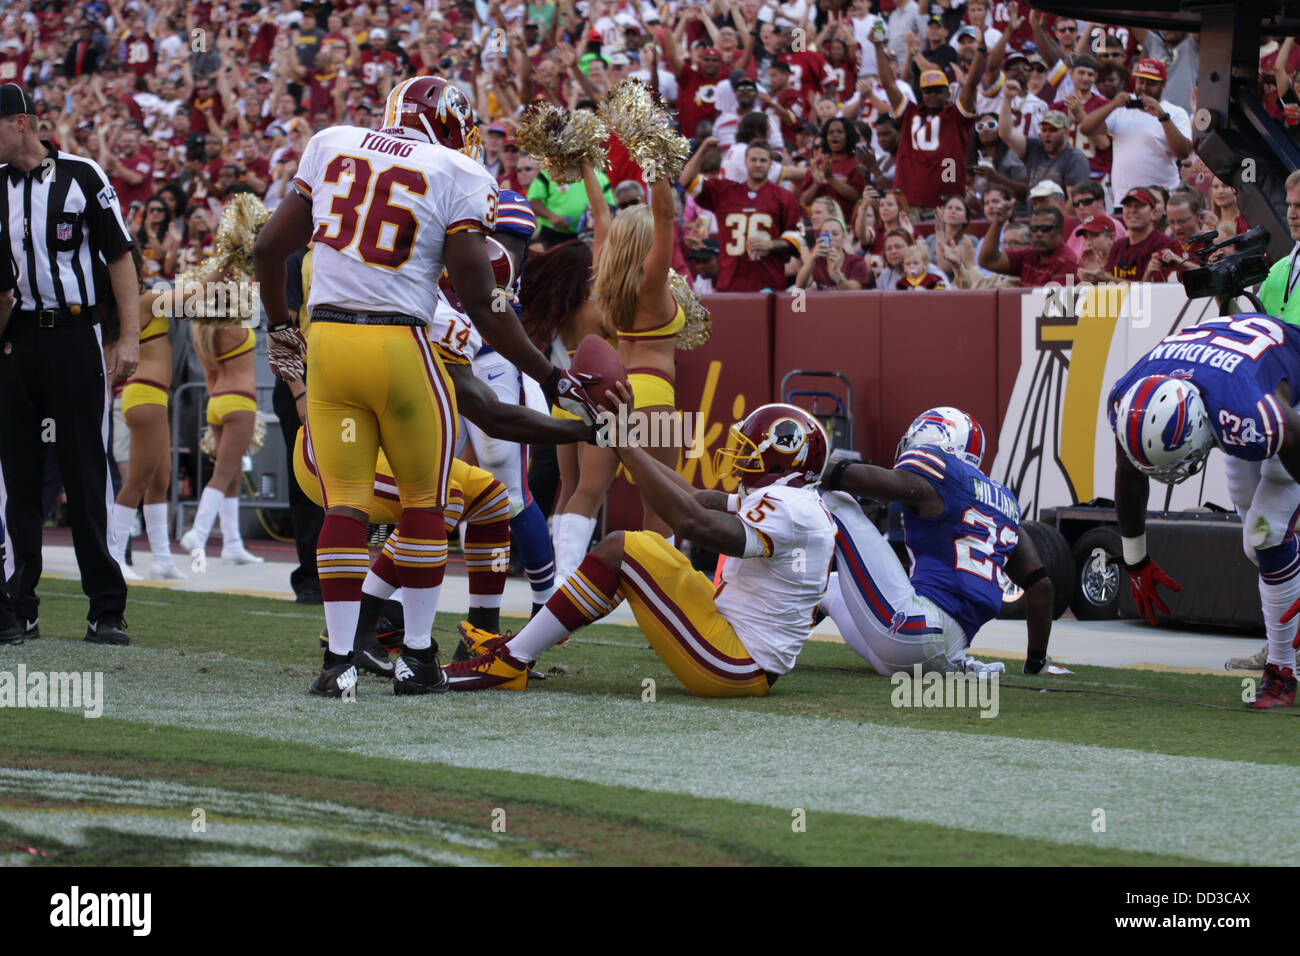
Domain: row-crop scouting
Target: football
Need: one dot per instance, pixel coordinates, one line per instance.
(598, 358)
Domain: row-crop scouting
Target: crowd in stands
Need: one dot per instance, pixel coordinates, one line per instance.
(872, 144)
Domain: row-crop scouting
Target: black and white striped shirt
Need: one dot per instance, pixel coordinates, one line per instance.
(60, 224)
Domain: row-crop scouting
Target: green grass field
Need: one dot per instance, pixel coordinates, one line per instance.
(211, 752)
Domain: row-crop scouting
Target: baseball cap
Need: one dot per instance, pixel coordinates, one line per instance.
(497, 128)
(1016, 55)
(707, 250)
(711, 51)
(619, 59)
(781, 65)
(1055, 118)
(1036, 60)
(1096, 225)
(933, 78)
(968, 31)
(937, 19)
(1139, 194)
(1151, 70)
(1046, 188)
(14, 101)
(1086, 59)
(595, 37)
(510, 143)
(738, 77)
(378, 35)
(515, 215)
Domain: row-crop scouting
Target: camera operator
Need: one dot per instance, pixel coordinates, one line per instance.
(1278, 293)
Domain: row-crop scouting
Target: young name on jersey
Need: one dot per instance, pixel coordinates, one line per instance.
(383, 204)
(770, 595)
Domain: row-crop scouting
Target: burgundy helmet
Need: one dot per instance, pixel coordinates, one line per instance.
(438, 109)
(776, 444)
(503, 270)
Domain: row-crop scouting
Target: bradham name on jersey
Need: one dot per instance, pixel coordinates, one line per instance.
(996, 498)
(1199, 353)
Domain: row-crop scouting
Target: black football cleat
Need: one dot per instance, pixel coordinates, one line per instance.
(419, 672)
(337, 678)
(109, 629)
(371, 656)
(31, 630)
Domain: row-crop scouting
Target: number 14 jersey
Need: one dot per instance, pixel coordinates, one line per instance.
(958, 557)
(383, 203)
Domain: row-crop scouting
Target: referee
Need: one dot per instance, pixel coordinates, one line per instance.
(63, 247)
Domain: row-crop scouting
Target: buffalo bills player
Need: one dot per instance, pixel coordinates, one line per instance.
(962, 529)
(1228, 383)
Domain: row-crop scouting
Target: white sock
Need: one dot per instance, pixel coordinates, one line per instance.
(573, 534)
(209, 507)
(419, 605)
(341, 623)
(485, 600)
(155, 525)
(376, 586)
(542, 632)
(1276, 599)
(230, 535)
(120, 533)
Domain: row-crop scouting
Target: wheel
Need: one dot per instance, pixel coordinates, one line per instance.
(1054, 551)
(1097, 555)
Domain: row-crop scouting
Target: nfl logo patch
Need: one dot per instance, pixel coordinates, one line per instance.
(63, 231)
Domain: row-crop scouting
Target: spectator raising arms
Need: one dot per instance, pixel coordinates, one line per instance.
(752, 258)
(1046, 261)
(934, 135)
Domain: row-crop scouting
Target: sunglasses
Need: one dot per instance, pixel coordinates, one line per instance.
(628, 203)
(153, 209)
(1080, 203)
(1042, 229)
(986, 126)
(1039, 68)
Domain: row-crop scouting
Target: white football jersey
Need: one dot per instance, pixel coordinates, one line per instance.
(770, 595)
(453, 334)
(383, 203)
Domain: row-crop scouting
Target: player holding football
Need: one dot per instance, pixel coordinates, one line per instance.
(1228, 383)
(385, 210)
(734, 642)
(962, 530)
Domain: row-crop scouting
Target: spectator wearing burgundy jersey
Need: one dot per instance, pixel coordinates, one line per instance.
(1047, 259)
(934, 134)
(1130, 256)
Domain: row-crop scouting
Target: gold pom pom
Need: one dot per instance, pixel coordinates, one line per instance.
(209, 290)
(561, 140)
(645, 127)
(699, 325)
(208, 441)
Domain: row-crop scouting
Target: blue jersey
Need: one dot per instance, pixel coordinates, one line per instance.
(959, 556)
(1236, 364)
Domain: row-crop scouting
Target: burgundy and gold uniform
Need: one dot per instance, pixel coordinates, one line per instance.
(743, 212)
(931, 162)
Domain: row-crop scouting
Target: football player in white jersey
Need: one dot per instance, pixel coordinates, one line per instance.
(385, 210)
(734, 642)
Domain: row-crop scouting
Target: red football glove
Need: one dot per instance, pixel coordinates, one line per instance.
(285, 348)
(1291, 612)
(568, 390)
(1143, 578)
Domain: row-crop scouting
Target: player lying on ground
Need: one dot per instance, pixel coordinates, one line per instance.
(962, 529)
(732, 643)
(1225, 383)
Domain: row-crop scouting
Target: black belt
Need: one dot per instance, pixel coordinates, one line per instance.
(363, 318)
(56, 318)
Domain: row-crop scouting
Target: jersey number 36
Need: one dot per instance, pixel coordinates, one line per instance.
(372, 210)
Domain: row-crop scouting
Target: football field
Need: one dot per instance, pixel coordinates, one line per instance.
(209, 751)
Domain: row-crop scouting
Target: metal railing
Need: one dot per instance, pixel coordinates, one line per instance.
(178, 506)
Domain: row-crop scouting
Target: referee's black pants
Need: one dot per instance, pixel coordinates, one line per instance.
(52, 384)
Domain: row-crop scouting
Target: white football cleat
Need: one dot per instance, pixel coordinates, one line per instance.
(191, 541)
(166, 571)
(127, 573)
(239, 555)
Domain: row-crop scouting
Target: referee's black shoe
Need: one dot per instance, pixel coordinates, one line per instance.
(109, 629)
